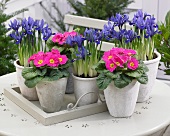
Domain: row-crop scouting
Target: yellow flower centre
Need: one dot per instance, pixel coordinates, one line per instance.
(52, 61)
(117, 63)
(60, 59)
(112, 65)
(40, 61)
(110, 57)
(132, 64)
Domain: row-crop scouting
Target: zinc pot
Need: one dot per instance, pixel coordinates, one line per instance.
(51, 94)
(85, 90)
(121, 102)
(145, 89)
(28, 93)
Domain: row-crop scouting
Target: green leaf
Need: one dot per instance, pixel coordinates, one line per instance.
(32, 82)
(41, 73)
(100, 67)
(65, 65)
(143, 79)
(55, 78)
(103, 81)
(127, 78)
(167, 71)
(65, 73)
(113, 75)
(27, 70)
(145, 68)
(54, 72)
(71, 50)
(46, 78)
(29, 73)
(120, 82)
(59, 48)
(100, 63)
(44, 71)
(138, 72)
(166, 35)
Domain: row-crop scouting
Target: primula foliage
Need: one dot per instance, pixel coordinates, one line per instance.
(120, 66)
(8, 49)
(162, 43)
(47, 66)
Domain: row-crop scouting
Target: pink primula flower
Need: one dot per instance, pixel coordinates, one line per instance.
(130, 52)
(117, 50)
(73, 33)
(133, 64)
(32, 58)
(118, 61)
(58, 38)
(40, 53)
(51, 60)
(107, 56)
(39, 61)
(66, 34)
(55, 51)
(62, 59)
(111, 66)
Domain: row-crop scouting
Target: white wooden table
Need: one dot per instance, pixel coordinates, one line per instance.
(148, 118)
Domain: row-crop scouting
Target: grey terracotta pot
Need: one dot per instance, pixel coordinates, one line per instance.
(121, 102)
(28, 93)
(51, 94)
(85, 90)
(145, 89)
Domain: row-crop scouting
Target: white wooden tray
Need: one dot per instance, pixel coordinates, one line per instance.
(34, 108)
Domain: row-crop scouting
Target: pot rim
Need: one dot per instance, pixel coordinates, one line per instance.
(64, 78)
(16, 64)
(19, 66)
(82, 78)
(153, 60)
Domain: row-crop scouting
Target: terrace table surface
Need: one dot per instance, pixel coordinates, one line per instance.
(148, 118)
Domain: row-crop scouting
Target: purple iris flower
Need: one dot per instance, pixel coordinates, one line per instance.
(139, 14)
(70, 41)
(108, 30)
(119, 20)
(46, 32)
(151, 31)
(82, 52)
(28, 25)
(119, 35)
(150, 21)
(73, 40)
(39, 25)
(130, 36)
(14, 25)
(93, 35)
(140, 23)
(140, 20)
(79, 40)
(16, 36)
